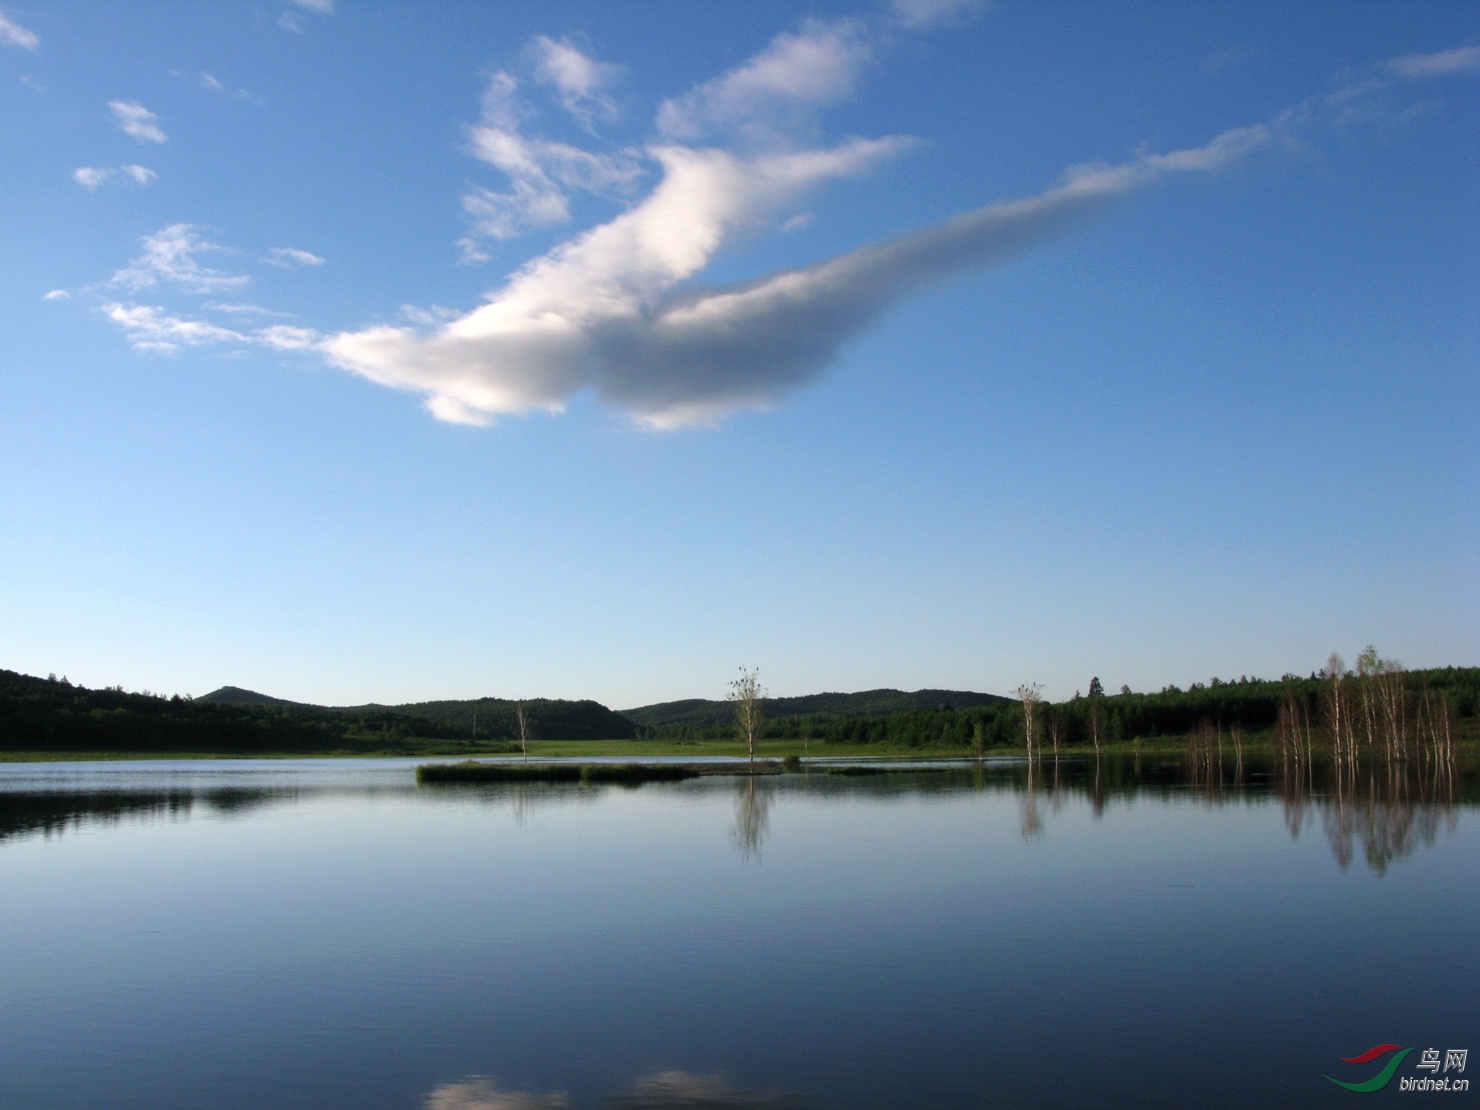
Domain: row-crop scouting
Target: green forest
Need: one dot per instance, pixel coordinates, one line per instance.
(45, 715)
(53, 715)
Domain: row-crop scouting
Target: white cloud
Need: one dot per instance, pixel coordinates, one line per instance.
(321, 7)
(290, 257)
(13, 34)
(541, 173)
(169, 255)
(285, 337)
(1464, 59)
(243, 309)
(151, 328)
(90, 177)
(211, 83)
(578, 79)
(921, 15)
(607, 310)
(57, 295)
(136, 121)
(772, 92)
(291, 21)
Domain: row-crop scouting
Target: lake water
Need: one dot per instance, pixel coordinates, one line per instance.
(317, 933)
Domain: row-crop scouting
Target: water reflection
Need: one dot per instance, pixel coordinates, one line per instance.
(686, 1090)
(1378, 811)
(479, 1092)
(664, 1090)
(1385, 810)
(54, 813)
(752, 815)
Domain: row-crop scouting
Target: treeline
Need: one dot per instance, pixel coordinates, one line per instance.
(706, 713)
(495, 718)
(49, 714)
(1250, 704)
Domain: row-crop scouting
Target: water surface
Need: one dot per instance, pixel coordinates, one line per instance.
(324, 933)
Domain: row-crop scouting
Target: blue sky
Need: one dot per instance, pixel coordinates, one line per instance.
(396, 352)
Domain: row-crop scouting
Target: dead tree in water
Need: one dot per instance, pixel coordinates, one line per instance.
(524, 727)
(1030, 694)
(1337, 723)
(749, 698)
(1096, 711)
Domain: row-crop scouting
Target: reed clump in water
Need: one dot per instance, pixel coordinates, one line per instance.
(630, 774)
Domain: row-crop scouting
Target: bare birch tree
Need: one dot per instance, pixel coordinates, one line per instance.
(523, 727)
(1030, 694)
(749, 698)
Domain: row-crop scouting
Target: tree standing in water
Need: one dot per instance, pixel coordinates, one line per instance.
(1030, 694)
(1096, 711)
(523, 726)
(749, 698)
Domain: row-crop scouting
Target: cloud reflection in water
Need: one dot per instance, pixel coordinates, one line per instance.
(479, 1092)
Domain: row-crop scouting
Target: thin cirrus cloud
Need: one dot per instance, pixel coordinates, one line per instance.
(13, 34)
(290, 258)
(152, 328)
(90, 177)
(542, 173)
(767, 96)
(1464, 59)
(924, 14)
(169, 259)
(579, 80)
(290, 20)
(136, 121)
(169, 256)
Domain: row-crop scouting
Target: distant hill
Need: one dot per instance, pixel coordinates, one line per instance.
(552, 719)
(493, 718)
(235, 695)
(868, 703)
(43, 714)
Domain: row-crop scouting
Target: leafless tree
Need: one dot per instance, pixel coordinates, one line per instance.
(1096, 719)
(524, 727)
(749, 698)
(1030, 694)
(1337, 723)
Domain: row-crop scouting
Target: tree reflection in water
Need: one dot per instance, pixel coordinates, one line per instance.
(752, 815)
(1385, 809)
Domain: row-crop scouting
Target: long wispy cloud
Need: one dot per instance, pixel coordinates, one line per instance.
(620, 309)
(13, 34)
(608, 312)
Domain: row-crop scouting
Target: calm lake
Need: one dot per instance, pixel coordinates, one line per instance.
(325, 933)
